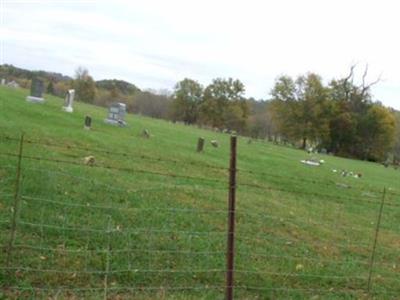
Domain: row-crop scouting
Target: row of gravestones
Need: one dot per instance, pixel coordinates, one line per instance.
(116, 114)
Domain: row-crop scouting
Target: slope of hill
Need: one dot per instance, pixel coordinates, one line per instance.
(121, 86)
(148, 219)
(10, 71)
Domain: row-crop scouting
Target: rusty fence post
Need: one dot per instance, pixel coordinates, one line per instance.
(230, 251)
(107, 270)
(378, 224)
(16, 204)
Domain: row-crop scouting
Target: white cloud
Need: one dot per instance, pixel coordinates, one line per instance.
(155, 43)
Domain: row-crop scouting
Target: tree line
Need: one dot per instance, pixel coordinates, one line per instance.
(339, 117)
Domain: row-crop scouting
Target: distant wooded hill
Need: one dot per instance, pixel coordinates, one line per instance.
(121, 86)
(12, 72)
(22, 76)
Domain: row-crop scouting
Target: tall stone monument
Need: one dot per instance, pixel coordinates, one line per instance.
(69, 101)
(37, 88)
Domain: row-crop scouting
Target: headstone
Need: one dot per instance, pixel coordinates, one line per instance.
(37, 88)
(89, 160)
(88, 123)
(214, 143)
(3, 81)
(200, 144)
(13, 84)
(145, 134)
(116, 114)
(69, 100)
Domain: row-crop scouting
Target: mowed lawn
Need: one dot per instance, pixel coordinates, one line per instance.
(148, 220)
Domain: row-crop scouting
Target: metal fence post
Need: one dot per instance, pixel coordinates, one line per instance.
(231, 221)
(378, 224)
(16, 204)
(107, 270)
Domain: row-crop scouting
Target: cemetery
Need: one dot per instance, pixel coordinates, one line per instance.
(170, 150)
(89, 195)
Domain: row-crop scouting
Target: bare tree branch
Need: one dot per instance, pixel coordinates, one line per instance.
(365, 87)
(364, 75)
(345, 81)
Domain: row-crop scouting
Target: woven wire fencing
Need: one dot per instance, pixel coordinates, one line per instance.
(142, 227)
(317, 245)
(107, 229)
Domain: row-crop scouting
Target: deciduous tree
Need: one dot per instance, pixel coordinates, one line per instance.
(85, 87)
(187, 97)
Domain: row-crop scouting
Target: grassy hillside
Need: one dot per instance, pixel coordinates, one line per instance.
(148, 220)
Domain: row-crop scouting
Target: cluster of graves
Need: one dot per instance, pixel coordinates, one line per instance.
(12, 83)
(116, 114)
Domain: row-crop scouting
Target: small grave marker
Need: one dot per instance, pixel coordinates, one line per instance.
(88, 123)
(200, 144)
(214, 143)
(146, 134)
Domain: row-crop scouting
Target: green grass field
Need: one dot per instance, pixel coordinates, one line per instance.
(149, 219)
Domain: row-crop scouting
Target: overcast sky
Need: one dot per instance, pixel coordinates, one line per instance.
(154, 44)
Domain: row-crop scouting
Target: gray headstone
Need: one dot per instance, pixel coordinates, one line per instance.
(3, 81)
(116, 114)
(88, 122)
(37, 88)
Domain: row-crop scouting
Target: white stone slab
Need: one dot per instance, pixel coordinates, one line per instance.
(34, 99)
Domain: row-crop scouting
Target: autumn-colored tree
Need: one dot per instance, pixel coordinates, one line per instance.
(396, 147)
(187, 97)
(224, 104)
(376, 133)
(50, 88)
(301, 108)
(85, 87)
(261, 123)
(359, 128)
(61, 87)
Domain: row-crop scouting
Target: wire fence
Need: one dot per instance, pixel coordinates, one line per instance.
(135, 226)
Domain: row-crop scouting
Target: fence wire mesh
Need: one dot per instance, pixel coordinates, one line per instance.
(145, 227)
